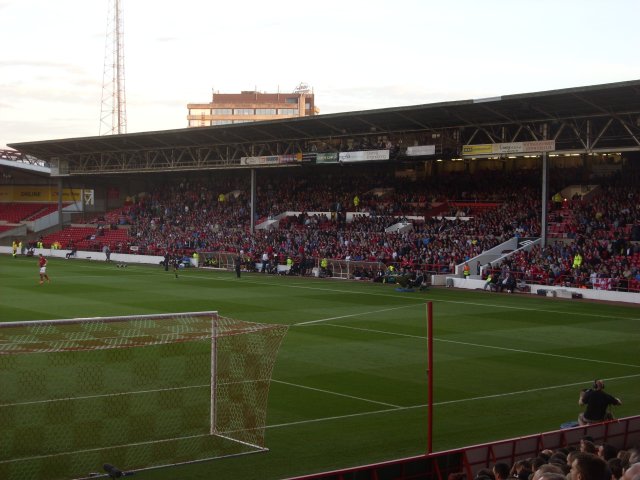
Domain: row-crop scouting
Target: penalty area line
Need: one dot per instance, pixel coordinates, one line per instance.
(311, 322)
(479, 345)
(336, 393)
(443, 403)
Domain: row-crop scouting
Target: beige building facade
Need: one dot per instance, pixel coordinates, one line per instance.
(251, 106)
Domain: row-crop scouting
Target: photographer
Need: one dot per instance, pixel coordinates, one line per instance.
(597, 402)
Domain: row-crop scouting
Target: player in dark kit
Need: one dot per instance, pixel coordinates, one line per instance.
(238, 265)
(176, 265)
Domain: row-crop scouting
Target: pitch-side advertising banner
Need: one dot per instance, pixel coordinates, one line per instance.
(507, 148)
(364, 156)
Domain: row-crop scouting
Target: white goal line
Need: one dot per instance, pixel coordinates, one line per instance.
(136, 444)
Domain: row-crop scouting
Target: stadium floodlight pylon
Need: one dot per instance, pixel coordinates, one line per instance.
(138, 392)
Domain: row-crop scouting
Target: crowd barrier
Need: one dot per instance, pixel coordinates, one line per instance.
(622, 433)
(94, 256)
(545, 290)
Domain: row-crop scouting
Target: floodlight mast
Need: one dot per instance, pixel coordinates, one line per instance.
(113, 111)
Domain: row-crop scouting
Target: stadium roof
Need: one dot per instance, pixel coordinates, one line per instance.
(36, 169)
(554, 105)
(20, 161)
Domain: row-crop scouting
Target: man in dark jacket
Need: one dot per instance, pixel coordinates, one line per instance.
(597, 403)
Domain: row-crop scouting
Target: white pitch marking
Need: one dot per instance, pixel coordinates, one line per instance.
(486, 346)
(336, 393)
(448, 402)
(350, 315)
(422, 300)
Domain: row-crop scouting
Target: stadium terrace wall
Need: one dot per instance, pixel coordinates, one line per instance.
(546, 290)
(15, 232)
(622, 434)
(98, 256)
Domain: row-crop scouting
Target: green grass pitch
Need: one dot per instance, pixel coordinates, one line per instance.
(350, 382)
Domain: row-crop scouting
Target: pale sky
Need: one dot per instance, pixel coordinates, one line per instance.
(356, 55)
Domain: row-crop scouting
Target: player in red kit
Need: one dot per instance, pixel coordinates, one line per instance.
(42, 263)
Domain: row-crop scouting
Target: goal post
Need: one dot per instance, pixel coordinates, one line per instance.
(137, 392)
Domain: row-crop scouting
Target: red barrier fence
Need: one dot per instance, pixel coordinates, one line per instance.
(622, 433)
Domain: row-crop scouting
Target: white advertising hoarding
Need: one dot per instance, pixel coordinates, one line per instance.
(364, 156)
(419, 150)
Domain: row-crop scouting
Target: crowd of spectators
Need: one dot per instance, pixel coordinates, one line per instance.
(584, 262)
(215, 215)
(192, 216)
(587, 461)
(602, 248)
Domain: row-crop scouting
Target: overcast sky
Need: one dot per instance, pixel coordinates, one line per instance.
(356, 55)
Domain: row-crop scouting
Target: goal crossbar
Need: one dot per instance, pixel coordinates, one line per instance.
(137, 331)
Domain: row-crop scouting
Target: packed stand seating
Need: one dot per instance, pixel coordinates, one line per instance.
(603, 249)
(604, 265)
(192, 216)
(118, 216)
(214, 215)
(610, 214)
(187, 217)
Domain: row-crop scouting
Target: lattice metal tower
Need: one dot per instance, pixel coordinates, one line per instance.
(113, 112)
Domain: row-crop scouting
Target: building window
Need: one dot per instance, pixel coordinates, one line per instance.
(291, 100)
(243, 111)
(199, 111)
(265, 111)
(221, 122)
(288, 111)
(222, 111)
(243, 121)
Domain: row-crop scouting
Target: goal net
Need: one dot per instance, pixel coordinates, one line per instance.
(136, 392)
